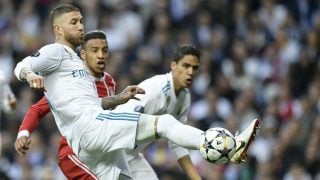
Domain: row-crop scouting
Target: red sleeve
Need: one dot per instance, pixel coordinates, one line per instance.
(34, 114)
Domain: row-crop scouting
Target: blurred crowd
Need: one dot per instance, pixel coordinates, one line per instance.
(260, 59)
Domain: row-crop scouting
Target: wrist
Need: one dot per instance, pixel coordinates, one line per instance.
(122, 98)
(23, 133)
(25, 73)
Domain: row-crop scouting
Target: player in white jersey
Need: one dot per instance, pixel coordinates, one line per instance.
(93, 133)
(8, 100)
(166, 94)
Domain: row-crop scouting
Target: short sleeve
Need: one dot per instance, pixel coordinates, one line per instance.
(46, 60)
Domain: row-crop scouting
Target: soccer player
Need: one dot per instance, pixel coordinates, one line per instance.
(94, 134)
(8, 100)
(94, 52)
(166, 93)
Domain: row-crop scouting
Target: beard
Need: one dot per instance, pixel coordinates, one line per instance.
(74, 40)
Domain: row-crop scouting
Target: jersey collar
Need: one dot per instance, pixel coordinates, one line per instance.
(172, 91)
(99, 78)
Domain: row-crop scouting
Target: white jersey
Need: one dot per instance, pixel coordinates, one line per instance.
(5, 92)
(74, 102)
(160, 98)
(63, 70)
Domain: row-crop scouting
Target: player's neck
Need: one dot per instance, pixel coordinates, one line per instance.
(66, 43)
(96, 75)
(177, 89)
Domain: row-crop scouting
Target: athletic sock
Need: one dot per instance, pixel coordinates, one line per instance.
(181, 134)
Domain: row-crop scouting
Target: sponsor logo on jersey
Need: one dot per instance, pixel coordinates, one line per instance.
(80, 73)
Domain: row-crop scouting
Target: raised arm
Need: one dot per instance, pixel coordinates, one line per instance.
(31, 120)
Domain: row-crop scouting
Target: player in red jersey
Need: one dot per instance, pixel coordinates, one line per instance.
(94, 52)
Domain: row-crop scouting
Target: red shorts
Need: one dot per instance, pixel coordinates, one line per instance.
(70, 165)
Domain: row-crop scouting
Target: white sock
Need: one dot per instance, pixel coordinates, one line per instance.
(181, 134)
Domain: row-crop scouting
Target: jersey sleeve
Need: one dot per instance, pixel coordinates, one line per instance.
(34, 115)
(46, 60)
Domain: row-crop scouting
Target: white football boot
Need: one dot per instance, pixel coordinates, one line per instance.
(243, 141)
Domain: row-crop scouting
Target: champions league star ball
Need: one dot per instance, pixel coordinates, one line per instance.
(218, 145)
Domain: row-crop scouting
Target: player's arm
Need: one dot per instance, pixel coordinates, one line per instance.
(182, 154)
(186, 164)
(47, 60)
(9, 101)
(29, 123)
(184, 161)
(127, 94)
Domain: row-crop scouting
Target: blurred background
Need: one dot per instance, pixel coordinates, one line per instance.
(260, 58)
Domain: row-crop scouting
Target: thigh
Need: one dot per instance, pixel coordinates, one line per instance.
(110, 131)
(106, 166)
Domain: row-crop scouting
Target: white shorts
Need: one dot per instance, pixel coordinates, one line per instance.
(110, 131)
(103, 141)
(112, 165)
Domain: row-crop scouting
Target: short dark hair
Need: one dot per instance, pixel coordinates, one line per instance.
(96, 34)
(183, 50)
(62, 9)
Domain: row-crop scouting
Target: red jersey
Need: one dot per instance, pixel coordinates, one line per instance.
(106, 86)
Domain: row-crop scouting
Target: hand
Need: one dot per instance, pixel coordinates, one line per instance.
(130, 92)
(35, 81)
(12, 101)
(22, 144)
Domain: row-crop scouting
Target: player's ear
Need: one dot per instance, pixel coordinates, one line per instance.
(83, 54)
(57, 29)
(173, 65)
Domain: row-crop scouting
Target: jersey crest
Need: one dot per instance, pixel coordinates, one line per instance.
(139, 109)
(35, 54)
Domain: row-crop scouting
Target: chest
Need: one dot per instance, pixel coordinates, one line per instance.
(172, 105)
(105, 89)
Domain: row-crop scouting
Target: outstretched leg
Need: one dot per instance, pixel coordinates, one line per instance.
(166, 126)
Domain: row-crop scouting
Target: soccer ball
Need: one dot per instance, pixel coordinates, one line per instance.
(218, 145)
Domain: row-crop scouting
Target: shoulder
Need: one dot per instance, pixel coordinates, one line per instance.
(160, 80)
(166, 85)
(52, 47)
(109, 79)
(50, 50)
(156, 82)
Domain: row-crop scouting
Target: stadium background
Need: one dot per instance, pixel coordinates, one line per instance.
(259, 59)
